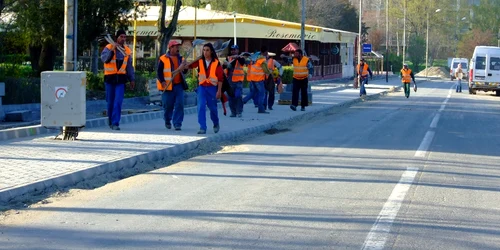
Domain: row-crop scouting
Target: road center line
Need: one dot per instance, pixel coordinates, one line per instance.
(435, 120)
(378, 234)
(425, 144)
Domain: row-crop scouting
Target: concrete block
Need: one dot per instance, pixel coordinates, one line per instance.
(18, 116)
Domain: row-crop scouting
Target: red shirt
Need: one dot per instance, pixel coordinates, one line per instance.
(218, 71)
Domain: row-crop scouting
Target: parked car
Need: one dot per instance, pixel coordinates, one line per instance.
(454, 65)
(485, 70)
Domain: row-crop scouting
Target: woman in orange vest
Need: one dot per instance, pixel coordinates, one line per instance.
(118, 70)
(302, 70)
(172, 86)
(210, 78)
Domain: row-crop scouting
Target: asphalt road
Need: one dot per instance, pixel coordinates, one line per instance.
(391, 173)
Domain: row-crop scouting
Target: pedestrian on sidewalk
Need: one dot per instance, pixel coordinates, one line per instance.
(459, 74)
(173, 87)
(302, 72)
(258, 73)
(363, 70)
(273, 66)
(118, 70)
(210, 78)
(406, 77)
(236, 75)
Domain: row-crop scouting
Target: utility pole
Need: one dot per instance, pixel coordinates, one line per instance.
(70, 21)
(234, 15)
(386, 40)
(404, 31)
(427, 45)
(360, 44)
(303, 27)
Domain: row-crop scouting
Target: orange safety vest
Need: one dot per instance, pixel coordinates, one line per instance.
(406, 75)
(256, 72)
(238, 73)
(167, 74)
(300, 70)
(365, 72)
(212, 77)
(270, 66)
(110, 67)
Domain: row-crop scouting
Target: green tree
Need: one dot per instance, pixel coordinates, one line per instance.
(41, 22)
(338, 14)
(486, 16)
(472, 39)
(96, 18)
(416, 52)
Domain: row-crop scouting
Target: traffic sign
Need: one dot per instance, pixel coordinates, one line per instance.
(367, 48)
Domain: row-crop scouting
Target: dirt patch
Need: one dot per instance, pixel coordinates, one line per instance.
(434, 72)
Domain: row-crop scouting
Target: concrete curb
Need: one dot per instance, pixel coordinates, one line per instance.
(69, 179)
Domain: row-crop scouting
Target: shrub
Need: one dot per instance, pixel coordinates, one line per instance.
(95, 82)
(22, 90)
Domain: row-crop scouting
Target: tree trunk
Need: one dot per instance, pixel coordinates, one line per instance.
(35, 51)
(167, 32)
(94, 58)
(47, 56)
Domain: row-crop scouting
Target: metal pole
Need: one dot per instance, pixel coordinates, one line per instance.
(234, 15)
(386, 40)
(427, 46)
(69, 34)
(135, 35)
(75, 40)
(303, 26)
(359, 32)
(404, 31)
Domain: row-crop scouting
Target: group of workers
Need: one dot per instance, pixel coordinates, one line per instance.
(263, 76)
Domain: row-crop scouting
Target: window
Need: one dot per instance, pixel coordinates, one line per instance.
(495, 63)
(464, 65)
(481, 62)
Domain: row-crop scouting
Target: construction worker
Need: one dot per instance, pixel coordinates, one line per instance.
(406, 77)
(210, 78)
(272, 65)
(118, 70)
(172, 86)
(363, 70)
(459, 74)
(302, 72)
(236, 76)
(257, 76)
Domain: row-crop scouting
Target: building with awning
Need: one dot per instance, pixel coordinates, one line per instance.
(334, 48)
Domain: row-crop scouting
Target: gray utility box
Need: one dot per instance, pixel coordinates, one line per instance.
(63, 98)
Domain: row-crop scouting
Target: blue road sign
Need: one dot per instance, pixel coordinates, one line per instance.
(367, 48)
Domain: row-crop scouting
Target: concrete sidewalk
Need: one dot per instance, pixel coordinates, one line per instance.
(33, 164)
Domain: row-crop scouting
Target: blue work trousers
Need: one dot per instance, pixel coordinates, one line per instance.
(362, 82)
(236, 102)
(207, 97)
(173, 105)
(114, 98)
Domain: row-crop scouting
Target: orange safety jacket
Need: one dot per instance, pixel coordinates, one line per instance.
(167, 74)
(406, 75)
(300, 70)
(212, 77)
(238, 72)
(257, 73)
(110, 67)
(365, 71)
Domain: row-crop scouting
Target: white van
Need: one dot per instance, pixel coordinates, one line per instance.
(485, 70)
(454, 65)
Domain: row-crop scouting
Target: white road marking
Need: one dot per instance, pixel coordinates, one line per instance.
(435, 120)
(425, 144)
(378, 234)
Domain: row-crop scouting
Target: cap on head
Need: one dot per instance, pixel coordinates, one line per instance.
(235, 46)
(120, 32)
(173, 43)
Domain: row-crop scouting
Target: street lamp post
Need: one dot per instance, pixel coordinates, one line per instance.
(302, 26)
(234, 15)
(427, 46)
(404, 31)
